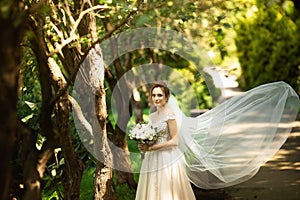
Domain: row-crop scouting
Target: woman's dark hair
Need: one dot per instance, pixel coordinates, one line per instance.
(163, 86)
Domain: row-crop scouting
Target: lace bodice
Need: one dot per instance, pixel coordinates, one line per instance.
(161, 126)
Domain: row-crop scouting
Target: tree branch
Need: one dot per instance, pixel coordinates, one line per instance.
(105, 36)
(73, 36)
(79, 114)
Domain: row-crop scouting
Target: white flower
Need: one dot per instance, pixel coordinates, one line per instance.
(144, 133)
(138, 126)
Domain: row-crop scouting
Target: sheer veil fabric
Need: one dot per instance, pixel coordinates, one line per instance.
(228, 144)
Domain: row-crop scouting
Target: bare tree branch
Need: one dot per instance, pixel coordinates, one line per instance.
(105, 36)
(73, 35)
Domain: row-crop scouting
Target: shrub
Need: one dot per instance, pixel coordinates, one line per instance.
(268, 48)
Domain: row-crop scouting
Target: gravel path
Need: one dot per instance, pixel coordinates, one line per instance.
(278, 179)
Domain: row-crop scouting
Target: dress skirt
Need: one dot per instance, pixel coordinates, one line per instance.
(163, 177)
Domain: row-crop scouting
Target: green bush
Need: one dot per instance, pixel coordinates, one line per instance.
(268, 48)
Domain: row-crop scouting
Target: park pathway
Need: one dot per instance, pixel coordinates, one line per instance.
(277, 179)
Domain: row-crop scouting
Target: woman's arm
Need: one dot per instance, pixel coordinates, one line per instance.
(172, 126)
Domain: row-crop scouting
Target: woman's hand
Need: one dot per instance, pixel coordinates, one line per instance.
(143, 147)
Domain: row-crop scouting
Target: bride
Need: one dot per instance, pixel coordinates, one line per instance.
(163, 173)
(225, 146)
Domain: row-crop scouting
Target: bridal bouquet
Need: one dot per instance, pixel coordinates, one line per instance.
(143, 133)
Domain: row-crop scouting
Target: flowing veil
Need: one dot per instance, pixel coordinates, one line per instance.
(228, 144)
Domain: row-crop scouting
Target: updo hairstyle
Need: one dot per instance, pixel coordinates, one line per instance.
(163, 86)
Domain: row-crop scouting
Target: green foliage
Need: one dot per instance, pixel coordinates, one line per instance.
(124, 192)
(87, 184)
(52, 184)
(5, 8)
(87, 187)
(205, 21)
(30, 92)
(268, 46)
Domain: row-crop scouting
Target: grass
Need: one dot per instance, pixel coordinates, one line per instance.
(123, 191)
(87, 184)
(87, 187)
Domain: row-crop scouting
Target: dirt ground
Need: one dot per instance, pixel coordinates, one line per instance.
(278, 179)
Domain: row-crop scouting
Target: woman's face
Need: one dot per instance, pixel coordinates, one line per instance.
(159, 97)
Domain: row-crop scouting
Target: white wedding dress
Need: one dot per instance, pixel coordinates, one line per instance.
(228, 144)
(225, 146)
(163, 174)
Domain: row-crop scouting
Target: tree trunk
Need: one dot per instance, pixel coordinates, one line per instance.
(137, 107)
(8, 100)
(34, 163)
(51, 78)
(119, 136)
(103, 182)
(74, 167)
(123, 160)
(11, 35)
